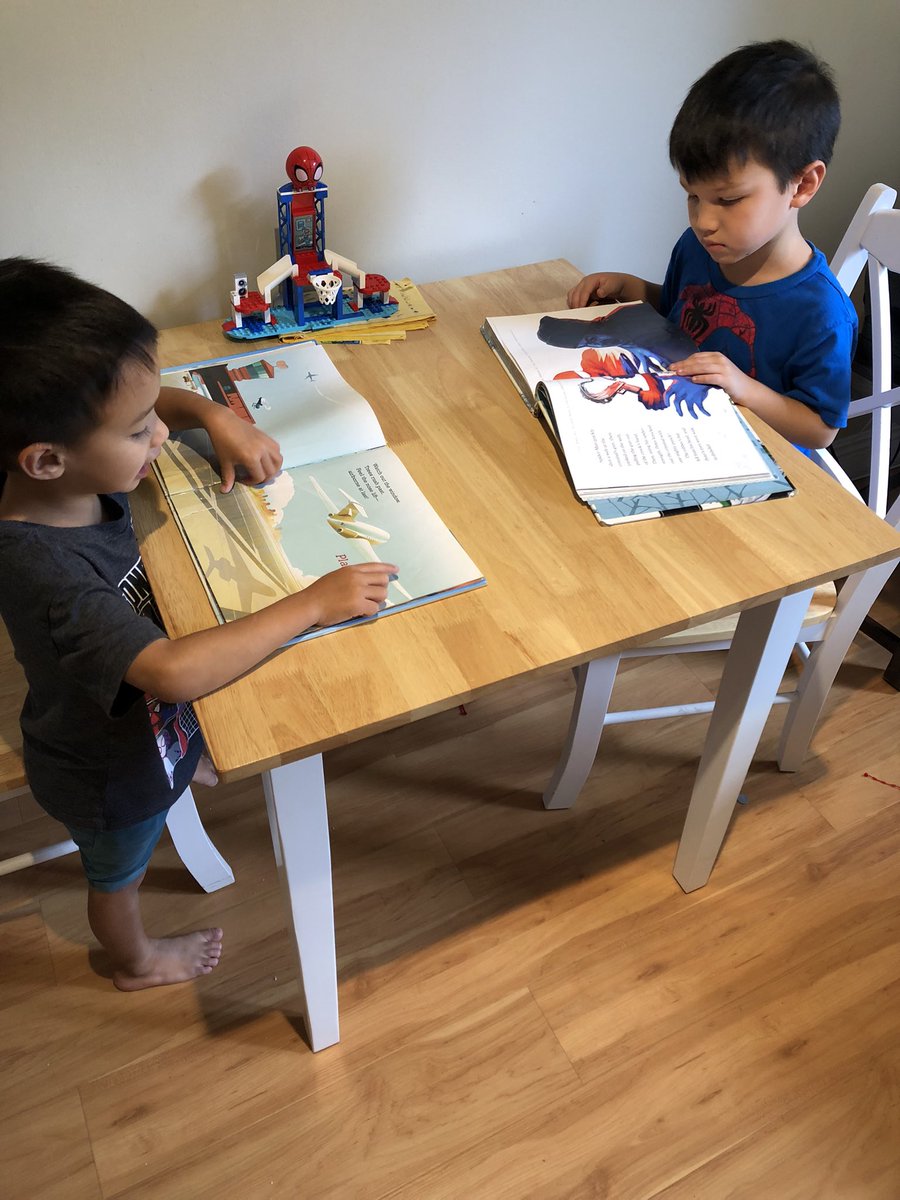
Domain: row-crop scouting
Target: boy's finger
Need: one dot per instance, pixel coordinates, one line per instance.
(263, 470)
(227, 477)
(255, 473)
(377, 568)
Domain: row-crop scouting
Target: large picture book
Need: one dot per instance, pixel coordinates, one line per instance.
(344, 497)
(637, 440)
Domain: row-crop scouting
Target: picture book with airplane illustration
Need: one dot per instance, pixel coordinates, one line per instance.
(637, 440)
(344, 497)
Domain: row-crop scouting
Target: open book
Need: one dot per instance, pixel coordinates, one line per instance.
(342, 498)
(637, 440)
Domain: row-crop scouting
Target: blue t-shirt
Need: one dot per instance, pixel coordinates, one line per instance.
(796, 335)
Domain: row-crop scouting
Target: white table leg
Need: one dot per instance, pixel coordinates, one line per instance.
(295, 797)
(754, 669)
(195, 849)
(593, 687)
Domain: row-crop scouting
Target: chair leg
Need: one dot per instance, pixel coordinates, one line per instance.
(195, 849)
(754, 668)
(891, 642)
(855, 599)
(594, 685)
(20, 861)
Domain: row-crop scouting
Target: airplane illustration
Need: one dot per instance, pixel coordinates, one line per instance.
(346, 523)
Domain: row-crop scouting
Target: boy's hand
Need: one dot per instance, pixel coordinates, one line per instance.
(715, 370)
(794, 420)
(601, 287)
(238, 444)
(607, 287)
(356, 591)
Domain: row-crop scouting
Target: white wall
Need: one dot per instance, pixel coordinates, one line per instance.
(141, 143)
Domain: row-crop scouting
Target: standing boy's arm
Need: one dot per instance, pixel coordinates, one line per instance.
(790, 417)
(606, 287)
(236, 443)
(185, 668)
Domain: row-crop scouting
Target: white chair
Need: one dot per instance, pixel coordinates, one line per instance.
(192, 842)
(872, 240)
(849, 260)
(832, 619)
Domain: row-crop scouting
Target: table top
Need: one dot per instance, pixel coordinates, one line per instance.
(561, 589)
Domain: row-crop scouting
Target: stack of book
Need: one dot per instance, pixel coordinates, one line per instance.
(412, 313)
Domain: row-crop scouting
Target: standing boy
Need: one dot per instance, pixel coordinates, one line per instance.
(109, 736)
(773, 327)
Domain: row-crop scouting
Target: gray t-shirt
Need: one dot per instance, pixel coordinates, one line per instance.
(99, 754)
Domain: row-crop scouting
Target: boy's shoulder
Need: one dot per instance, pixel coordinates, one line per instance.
(814, 299)
(813, 292)
(823, 279)
(36, 566)
(39, 557)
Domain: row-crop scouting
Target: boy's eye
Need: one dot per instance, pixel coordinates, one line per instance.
(727, 202)
(142, 432)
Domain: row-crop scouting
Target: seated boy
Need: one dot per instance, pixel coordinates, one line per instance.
(110, 740)
(773, 327)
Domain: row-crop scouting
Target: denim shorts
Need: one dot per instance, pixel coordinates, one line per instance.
(113, 858)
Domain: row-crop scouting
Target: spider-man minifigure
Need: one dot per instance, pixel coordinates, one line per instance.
(304, 170)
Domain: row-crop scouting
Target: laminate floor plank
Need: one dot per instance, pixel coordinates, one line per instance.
(531, 1009)
(46, 1152)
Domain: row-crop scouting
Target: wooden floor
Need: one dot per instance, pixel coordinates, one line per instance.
(531, 1008)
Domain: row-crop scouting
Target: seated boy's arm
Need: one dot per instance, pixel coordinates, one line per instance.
(179, 669)
(607, 287)
(790, 417)
(236, 443)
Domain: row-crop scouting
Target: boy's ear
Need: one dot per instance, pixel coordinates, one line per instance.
(807, 183)
(41, 461)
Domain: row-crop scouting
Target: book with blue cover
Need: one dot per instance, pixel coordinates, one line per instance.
(344, 497)
(637, 440)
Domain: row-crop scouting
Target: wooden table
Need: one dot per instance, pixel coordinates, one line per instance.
(561, 590)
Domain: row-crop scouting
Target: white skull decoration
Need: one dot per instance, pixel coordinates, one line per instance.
(327, 286)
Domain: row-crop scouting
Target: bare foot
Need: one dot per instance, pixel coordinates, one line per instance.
(206, 772)
(174, 960)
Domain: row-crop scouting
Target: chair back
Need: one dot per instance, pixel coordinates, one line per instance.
(872, 241)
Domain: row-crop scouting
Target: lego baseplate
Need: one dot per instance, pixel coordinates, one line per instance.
(316, 316)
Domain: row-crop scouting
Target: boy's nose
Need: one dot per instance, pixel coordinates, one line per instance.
(705, 218)
(160, 433)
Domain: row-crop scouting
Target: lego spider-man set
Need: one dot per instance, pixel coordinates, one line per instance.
(319, 288)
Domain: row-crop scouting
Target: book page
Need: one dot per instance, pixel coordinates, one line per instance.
(294, 393)
(617, 445)
(255, 545)
(527, 359)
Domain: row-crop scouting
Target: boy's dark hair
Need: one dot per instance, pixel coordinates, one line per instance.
(63, 345)
(774, 102)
